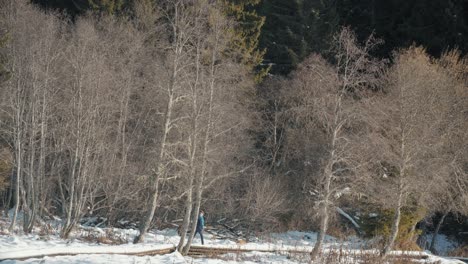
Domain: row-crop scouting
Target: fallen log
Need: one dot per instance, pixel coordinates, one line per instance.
(64, 251)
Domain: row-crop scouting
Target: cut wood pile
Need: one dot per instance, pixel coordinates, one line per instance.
(232, 229)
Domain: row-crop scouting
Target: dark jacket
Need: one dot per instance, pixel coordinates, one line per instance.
(200, 223)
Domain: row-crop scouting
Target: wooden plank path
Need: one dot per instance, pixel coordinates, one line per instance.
(203, 250)
(214, 251)
(122, 251)
(200, 251)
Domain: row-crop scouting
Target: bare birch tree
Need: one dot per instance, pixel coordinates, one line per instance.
(272, 121)
(82, 111)
(321, 99)
(409, 121)
(33, 53)
(214, 45)
(124, 51)
(448, 190)
(179, 25)
(196, 75)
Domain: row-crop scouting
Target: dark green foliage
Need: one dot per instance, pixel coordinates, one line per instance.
(381, 225)
(78, 7)
(246, 34)
(289, 30)
(436, 25)
(284, 34)
(295, 28)
(107, 6)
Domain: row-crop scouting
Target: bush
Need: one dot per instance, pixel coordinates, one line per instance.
(461, 251)
(380, 226)
(264, 203)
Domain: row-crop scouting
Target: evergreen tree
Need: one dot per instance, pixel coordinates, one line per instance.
(283, 34)
(108, 6)
(436, 25)
(78, 7)
(295, 28)
(246, 34)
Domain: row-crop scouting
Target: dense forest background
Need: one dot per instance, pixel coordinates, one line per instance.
(285, 114)
(294, 29)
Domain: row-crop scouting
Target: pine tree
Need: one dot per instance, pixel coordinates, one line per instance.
(246, 34)
(282, 35)
(294, 29)
(107, 6)
(78, 7)
(436, 25)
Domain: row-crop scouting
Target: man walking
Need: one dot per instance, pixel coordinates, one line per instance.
(200, 226)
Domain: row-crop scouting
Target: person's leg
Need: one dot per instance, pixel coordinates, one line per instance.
(196, 232)
(201, 236)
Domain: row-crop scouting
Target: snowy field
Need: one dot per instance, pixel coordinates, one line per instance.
(99, 251)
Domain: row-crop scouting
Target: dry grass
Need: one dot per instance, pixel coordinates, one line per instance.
(107, 237)
(461, 251)
(339, 256)
(45, 231)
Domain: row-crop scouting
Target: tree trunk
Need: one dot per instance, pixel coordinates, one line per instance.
(328, 172)
(186, 222)
(17, 201)
(150, 214)
(164, 133)
(155, 190)
(40, 198)
(65, 232)
(324, 214)
(178, 49)
(201, 178)
(193, 226)
(322, 232)
(436, 232)
(30, 182)
(193, 138)
(395, 227)
(19, 165)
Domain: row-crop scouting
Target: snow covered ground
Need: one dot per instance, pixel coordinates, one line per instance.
(26, 246)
